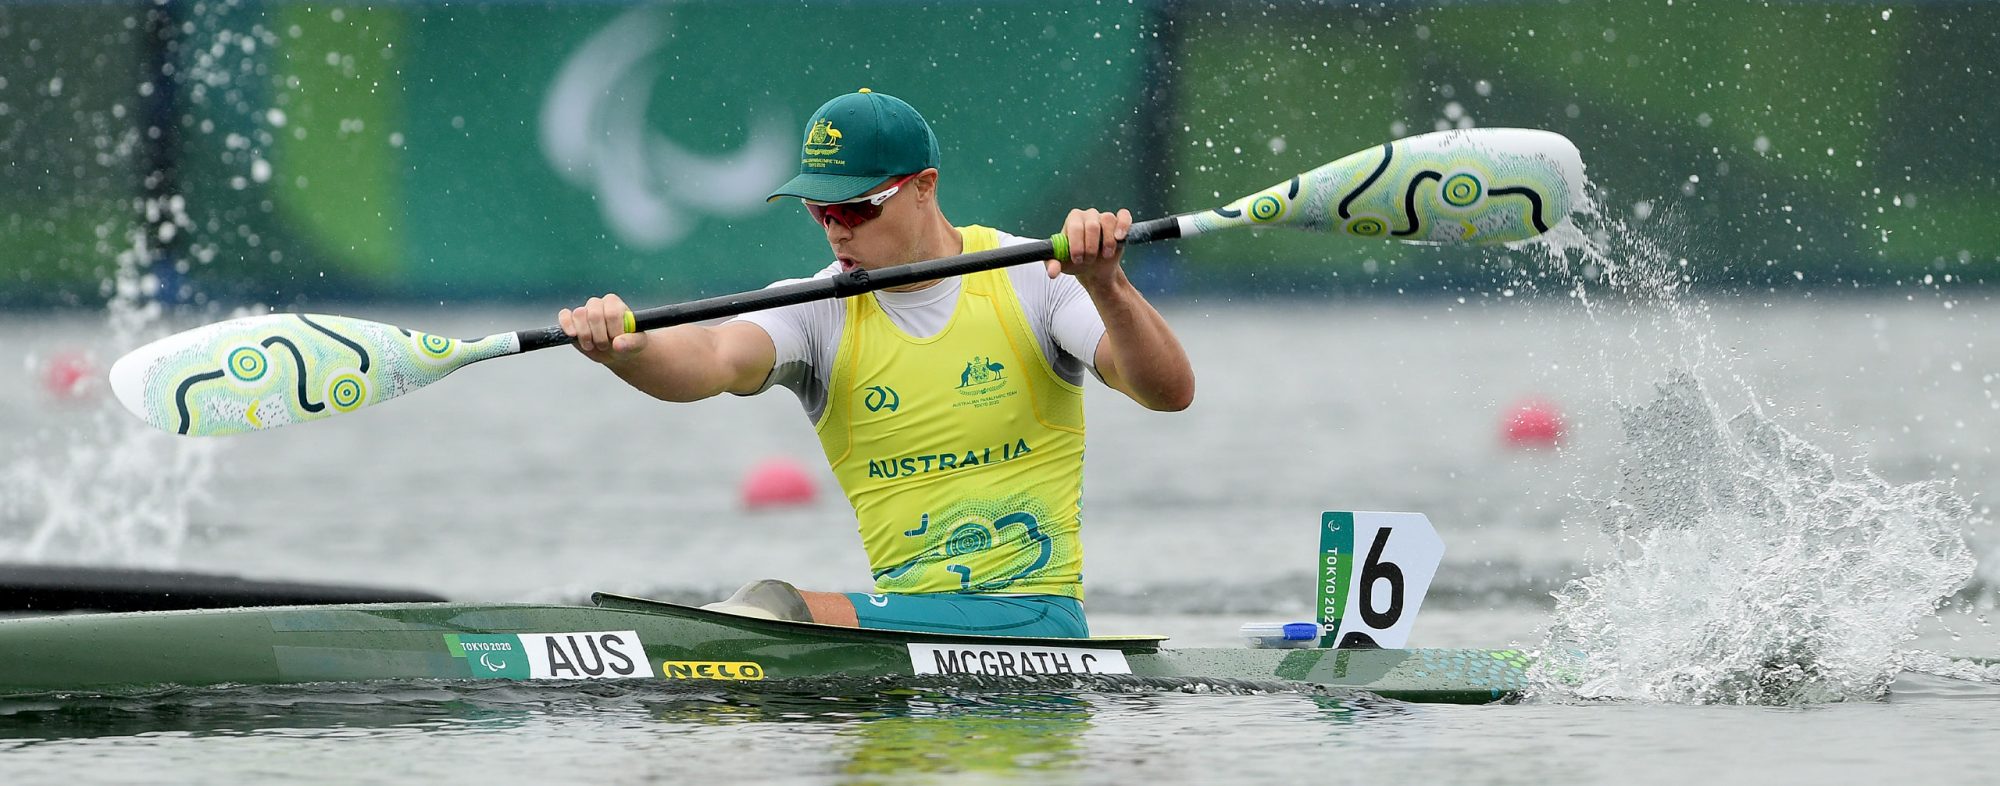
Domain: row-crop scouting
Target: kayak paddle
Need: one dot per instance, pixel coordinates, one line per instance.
(1471, 186)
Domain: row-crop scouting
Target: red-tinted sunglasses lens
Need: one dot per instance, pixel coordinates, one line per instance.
(850, 214)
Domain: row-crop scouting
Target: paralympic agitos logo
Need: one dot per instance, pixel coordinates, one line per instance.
(599, 133)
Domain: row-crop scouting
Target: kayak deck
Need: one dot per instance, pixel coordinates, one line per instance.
(622, 637)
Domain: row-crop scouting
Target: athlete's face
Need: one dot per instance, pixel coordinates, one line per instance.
(894, 236)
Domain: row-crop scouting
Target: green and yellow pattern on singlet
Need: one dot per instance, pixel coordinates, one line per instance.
(962, 452)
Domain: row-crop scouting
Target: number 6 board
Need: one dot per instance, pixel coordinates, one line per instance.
(1374, 569)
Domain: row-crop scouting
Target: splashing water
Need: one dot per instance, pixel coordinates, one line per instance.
(111, 491)
(1766, 571)
(1755, 567)
(107, 489)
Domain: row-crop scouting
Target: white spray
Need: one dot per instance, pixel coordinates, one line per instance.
(1754, 566)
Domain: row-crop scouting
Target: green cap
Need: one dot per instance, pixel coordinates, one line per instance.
(856, 142)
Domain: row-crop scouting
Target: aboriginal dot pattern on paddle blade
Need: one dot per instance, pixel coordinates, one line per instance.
(269, 371)
(1494, 185)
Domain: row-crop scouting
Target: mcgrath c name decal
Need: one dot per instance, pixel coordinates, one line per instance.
(1006, 660)
(593, 655)
(710, 670)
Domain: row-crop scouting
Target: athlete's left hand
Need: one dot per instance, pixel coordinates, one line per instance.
(1096, 245)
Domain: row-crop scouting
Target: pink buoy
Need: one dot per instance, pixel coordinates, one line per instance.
(68, 376)
(777, 482)
(1533, 423)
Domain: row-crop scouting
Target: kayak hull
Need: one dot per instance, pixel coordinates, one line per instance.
(630, 638)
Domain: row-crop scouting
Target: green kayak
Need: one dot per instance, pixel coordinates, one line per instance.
(631, 638)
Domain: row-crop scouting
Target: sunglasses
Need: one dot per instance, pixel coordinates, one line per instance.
(854, 212)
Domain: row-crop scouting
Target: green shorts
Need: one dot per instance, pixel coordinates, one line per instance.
(1048, 616)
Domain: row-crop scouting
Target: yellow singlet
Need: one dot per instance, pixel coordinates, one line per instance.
(962, 452)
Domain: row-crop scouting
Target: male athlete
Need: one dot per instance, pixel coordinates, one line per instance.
(951, 411)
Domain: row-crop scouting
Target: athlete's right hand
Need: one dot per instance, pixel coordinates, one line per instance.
(599, 329)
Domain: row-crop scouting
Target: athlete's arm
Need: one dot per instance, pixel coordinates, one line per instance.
(681, 363)
(1138, 355)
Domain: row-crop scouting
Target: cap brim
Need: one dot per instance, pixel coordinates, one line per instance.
(820, 187)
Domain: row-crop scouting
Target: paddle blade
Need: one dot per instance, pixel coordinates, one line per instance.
(1472, 186)
(273, 370)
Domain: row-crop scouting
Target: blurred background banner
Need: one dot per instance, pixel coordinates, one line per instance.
(285, 152)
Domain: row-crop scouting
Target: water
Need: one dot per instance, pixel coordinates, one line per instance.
(541, 478)
(1759, 504)
(81, 484)
(1740, 520)
(629, 735)
(1753, 566)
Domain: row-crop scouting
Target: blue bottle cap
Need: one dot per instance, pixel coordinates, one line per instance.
(1301, 631)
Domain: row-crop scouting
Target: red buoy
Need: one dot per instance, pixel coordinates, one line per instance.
(777, 482)
(1533, 423)
(69, 376)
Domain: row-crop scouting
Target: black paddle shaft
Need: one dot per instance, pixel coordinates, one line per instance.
(846, 284)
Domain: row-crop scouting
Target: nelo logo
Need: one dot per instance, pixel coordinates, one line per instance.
(710, 670)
